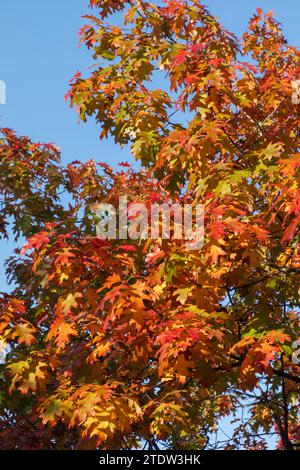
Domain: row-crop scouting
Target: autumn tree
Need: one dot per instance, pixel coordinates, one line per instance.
(123, 344)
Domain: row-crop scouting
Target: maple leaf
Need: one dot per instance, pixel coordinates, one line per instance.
(183, 294)
(61, 331)
(215, 253)
(25, 333)
(36, 241)
(69, 303)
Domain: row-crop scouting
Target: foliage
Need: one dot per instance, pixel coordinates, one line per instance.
(115, 344)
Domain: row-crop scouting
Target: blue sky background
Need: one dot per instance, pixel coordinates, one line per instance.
(39, 54)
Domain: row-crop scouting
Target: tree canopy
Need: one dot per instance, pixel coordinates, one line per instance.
(122, 344)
